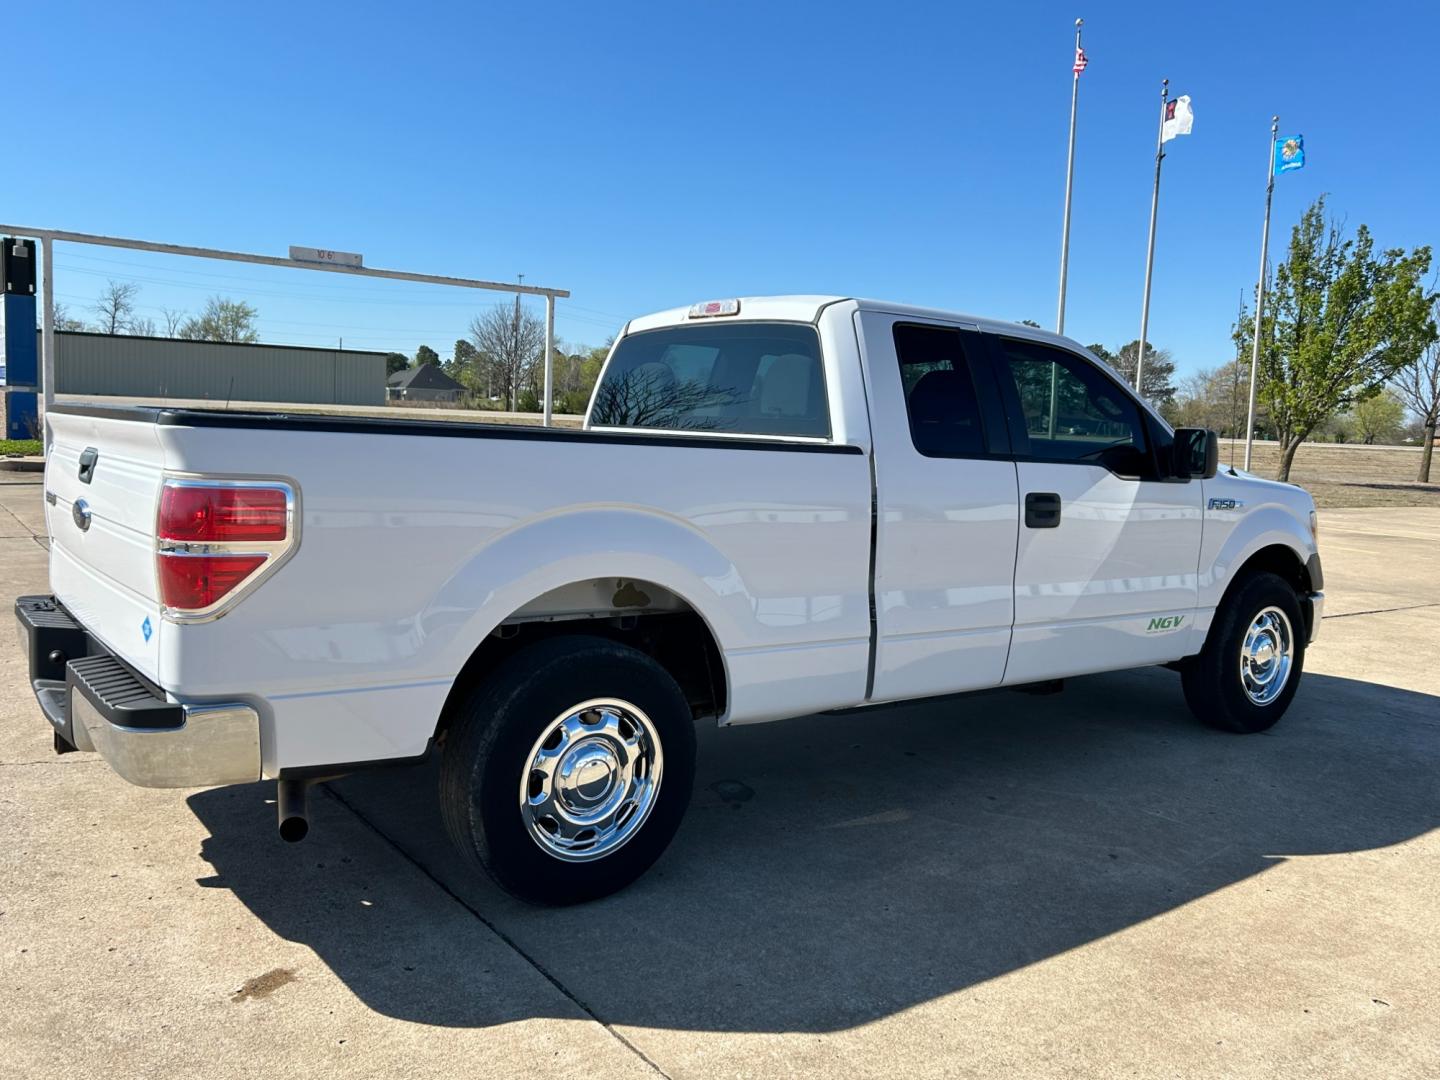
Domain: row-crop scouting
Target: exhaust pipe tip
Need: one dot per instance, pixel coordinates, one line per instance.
(294, 829)
(291, 797)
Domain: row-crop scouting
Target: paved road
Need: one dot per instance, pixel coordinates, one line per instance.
(1086, 884)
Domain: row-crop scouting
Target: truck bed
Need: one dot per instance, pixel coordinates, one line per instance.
(413, 549)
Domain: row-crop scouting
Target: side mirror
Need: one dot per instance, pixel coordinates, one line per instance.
(1197, 452)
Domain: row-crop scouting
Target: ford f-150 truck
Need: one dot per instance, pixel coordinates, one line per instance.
(777, 507)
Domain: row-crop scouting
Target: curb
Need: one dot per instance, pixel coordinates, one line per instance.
(23, 464)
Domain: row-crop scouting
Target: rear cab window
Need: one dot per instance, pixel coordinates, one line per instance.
(733, 378)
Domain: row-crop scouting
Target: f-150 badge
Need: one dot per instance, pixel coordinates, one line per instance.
(1226, 504)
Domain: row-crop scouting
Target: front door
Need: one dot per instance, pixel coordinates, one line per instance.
(1105, 573)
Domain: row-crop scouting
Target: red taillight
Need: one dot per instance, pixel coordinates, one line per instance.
(191, 513)
(193, 582)
(211, 537)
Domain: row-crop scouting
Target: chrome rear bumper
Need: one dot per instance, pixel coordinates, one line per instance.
(95, 702)
(213, 745)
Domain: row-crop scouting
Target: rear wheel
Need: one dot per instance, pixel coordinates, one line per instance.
(567, 772)
(1247, 673)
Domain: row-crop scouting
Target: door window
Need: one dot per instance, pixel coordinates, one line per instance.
(1072, 411)
(939, 393)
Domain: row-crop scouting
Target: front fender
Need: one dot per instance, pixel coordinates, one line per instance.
(1236, 542)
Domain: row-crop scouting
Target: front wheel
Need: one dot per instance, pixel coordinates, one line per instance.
(1248, 671)
(566, 774)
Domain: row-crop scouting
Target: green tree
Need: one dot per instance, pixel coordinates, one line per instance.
(1159, 374)
(395, 361)
(461, 360)
(1379, 417)
(1418, 384)
(426, 355)
(1344, 319)
(222, 319)
(1337, 429)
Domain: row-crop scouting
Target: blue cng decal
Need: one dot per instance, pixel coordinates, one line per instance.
(1164, 623)
(146, 629)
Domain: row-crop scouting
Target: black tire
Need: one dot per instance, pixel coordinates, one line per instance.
(1214, 688)
(487, 753)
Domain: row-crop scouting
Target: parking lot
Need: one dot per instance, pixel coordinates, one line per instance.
(1087, 883)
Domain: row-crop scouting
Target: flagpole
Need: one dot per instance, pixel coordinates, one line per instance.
(1260, 289)
(1069, 184)
(1150, 253)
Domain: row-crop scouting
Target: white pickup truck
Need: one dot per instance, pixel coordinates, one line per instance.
(778, 506)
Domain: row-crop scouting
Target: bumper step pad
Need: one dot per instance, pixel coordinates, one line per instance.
(121, 696)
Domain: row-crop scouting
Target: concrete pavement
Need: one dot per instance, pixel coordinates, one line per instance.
(1083, 884)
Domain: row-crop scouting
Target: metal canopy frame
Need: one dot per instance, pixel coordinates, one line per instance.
(47, 238)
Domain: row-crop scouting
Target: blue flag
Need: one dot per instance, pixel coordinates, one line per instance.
(1289, 153)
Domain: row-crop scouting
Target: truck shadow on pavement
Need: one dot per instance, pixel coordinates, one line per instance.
(835, 870)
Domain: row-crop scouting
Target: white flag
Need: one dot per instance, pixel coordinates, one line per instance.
(1178, 118)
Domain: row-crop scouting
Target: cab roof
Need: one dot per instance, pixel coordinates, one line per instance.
(807, 308)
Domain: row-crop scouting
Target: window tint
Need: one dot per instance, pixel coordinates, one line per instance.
(1072, 411)
(939, 394)
(747, 378)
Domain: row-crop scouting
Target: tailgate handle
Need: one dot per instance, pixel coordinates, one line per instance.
(1042, 510)
(88, 457)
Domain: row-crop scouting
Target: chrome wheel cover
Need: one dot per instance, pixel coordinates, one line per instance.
(591, 779)
(1267, 655)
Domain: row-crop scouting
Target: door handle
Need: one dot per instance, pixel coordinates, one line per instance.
(1042, 510)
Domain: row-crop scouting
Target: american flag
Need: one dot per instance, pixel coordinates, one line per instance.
(1080, 60)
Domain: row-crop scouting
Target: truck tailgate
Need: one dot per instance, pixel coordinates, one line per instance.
(102, 484)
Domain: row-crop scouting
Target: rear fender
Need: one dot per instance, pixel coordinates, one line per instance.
(527, 562)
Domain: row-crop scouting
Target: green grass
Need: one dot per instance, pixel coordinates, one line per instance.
(20, 448)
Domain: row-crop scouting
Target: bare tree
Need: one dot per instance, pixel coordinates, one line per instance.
(64, 322)
(174, 320)
(510, 340)
(650, 396)
(1418, 385)
(142, 327)
(116, 306)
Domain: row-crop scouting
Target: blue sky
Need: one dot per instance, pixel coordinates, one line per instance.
(646, 155)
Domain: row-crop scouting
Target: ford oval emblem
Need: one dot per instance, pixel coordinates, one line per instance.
(80, 511)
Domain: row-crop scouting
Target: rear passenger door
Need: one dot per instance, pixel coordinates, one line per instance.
(1105, 574)
(947, 508)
